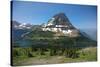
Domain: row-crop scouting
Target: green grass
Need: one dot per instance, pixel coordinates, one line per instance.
(89, 54)
(85, 55)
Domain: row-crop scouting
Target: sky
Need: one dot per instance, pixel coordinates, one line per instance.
(81, 16)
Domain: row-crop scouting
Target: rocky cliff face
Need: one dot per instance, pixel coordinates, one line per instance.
(60, 24)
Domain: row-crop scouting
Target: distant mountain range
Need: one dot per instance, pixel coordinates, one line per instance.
(59, 24)
(17, 25)
(19, 29)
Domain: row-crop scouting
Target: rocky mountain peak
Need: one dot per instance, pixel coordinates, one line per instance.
(60, 15)
(60, 19)
(60, 23)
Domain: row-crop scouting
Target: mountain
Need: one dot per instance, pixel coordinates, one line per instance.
(61, 19)
(18, 30)
(60, 24)
(17, 25)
